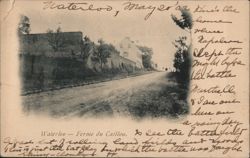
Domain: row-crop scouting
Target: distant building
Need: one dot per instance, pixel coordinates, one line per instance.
(117, 61)
(114, 61)
(129, 50)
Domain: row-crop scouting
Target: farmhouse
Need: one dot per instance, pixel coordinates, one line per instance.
(129, 50)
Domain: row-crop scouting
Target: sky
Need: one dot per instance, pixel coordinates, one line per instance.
(158, 32)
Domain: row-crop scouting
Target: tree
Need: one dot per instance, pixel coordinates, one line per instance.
(185, 22)
(146, 56)
(102, 53)
(181, 47)
(87, 47)
(182, 60)
(55, 39)
(24, 25)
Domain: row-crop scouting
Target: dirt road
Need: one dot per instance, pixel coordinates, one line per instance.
(118, 97)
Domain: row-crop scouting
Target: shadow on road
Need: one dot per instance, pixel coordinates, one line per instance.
(155, 95)
(165, 99)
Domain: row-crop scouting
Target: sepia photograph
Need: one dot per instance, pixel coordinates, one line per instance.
(89, 66)
(118, 78)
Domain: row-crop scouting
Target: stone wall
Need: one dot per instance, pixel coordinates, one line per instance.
(39, 44)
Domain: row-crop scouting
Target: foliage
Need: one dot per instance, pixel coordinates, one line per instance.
(146, 56)
(185, 22)
(24, 25)
(55, 38)
(182, 61)
(87, 47)
(102, 53)
(146, 61)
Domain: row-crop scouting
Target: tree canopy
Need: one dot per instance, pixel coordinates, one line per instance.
(102, 52)
(55, 39)
(146, 56)
(185, 22)
(24, 25)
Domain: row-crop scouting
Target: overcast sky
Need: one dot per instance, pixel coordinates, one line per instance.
(157, 32)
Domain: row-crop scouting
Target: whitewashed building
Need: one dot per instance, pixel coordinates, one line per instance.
(129, 50)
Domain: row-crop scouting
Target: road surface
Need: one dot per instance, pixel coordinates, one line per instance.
(116, 98)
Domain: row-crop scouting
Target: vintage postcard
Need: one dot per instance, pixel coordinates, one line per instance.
(125, 78)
